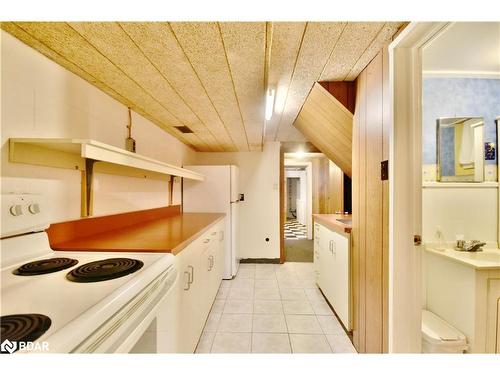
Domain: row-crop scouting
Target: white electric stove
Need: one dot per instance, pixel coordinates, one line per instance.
(68, 305)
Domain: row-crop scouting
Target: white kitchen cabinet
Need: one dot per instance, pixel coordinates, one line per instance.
(316, 250)
(332, 263)
(200, 267)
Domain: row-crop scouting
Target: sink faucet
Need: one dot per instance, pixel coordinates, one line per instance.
(470, 246)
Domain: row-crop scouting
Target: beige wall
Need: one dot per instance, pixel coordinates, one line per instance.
(259, 213)
(471, 211)
(41, 99)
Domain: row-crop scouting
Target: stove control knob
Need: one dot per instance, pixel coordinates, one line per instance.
(16, 210)
(34, 208)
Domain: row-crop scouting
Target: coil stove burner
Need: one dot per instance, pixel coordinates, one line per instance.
(106, 269)
(23, 327)
(40, 267)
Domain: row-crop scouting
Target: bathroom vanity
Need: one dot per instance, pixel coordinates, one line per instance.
(463, 288)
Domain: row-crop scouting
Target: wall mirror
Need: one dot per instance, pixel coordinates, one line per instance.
(460, 153)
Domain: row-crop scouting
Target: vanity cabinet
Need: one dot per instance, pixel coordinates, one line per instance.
(464, 291)
(200, 267)
(332, 266)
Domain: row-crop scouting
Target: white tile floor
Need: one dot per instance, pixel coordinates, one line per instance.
(272, 308)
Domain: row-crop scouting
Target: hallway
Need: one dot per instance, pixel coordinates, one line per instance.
(297, 247)
(295, 230)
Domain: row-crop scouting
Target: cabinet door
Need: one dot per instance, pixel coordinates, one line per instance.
(497, 344)
(492, 314)
(213, 268)
(189, 298)
(327, 283)
(200, 267)
(323, 245)
(316, 251)
(316, 261)
(334, 272)
(219, 253)
(340, 277)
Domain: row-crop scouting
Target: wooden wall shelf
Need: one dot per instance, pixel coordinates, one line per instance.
(73, 153)
(90, 157)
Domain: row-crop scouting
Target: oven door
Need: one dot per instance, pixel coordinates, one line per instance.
(134, 328)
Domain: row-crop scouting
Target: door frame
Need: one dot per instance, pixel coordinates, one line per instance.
(309, 198)
(405, 185)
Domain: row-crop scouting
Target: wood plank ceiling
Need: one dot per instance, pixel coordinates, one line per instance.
(210, 76)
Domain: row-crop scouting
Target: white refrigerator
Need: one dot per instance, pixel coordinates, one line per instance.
(217, 193)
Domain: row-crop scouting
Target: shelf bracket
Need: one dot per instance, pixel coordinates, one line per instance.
(87, 188)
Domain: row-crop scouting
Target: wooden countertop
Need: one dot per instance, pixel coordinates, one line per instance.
(164, 235)
(330, 221)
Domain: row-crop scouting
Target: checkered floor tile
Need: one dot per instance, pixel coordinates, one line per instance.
(295, 231)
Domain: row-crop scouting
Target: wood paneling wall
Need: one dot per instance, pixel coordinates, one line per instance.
(370, 207)
(335, 188)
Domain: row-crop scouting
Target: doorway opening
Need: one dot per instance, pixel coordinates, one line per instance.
(312, 184)
(295, 225)
(298, 205)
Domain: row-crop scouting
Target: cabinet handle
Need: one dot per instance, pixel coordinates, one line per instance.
(207, 240)
(213, 233)
(221, 235)
(188, 283)
(191, 274)
(210, 262)
(332, 246)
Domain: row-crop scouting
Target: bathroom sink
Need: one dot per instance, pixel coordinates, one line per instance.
(486, 259)
(345, 221)
(482, 255)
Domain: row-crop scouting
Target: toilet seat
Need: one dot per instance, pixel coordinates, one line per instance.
(441, 335)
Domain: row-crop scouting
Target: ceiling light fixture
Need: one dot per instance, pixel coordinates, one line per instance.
(269, 104)
(300, 154)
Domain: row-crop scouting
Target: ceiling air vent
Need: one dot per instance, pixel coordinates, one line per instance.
(183, 129)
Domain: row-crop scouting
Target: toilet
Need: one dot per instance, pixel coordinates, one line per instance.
(439, 336)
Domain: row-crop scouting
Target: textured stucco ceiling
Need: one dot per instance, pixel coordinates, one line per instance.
(211, 76)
